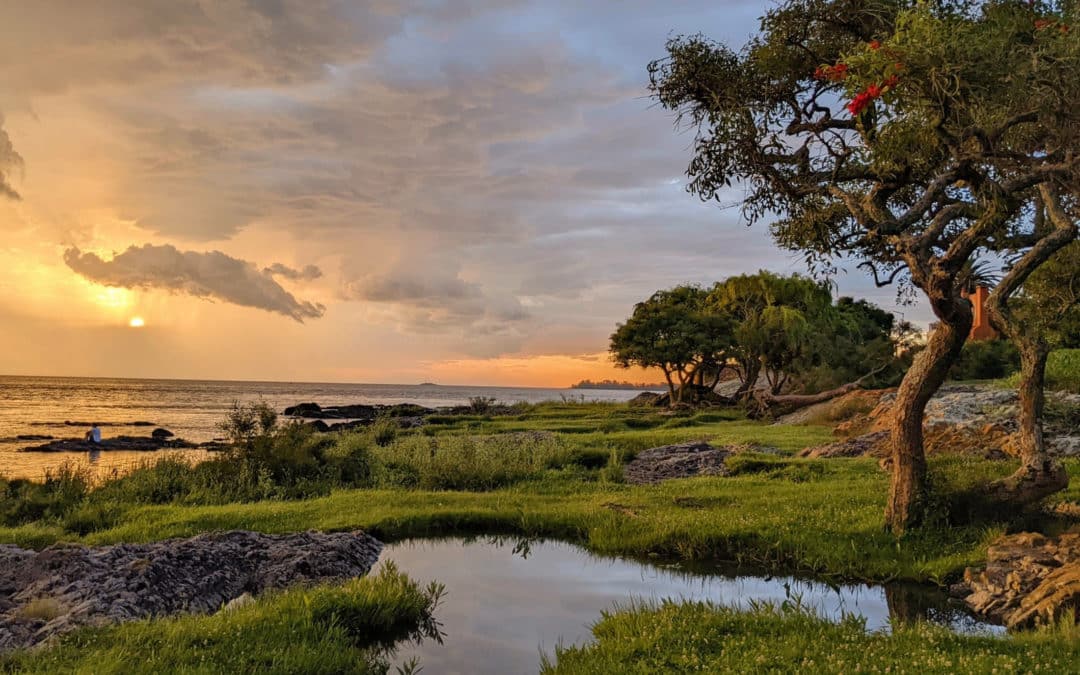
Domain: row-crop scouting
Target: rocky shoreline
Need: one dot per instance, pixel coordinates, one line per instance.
(65, 586)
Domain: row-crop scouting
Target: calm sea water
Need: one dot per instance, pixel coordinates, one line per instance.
(191, 409)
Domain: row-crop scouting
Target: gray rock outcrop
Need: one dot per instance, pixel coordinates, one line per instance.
(681, 460)
(63, 587)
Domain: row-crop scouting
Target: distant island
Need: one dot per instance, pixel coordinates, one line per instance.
(614, 384)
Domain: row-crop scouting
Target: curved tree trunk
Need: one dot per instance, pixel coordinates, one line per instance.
(908, 488)
(1039, 475)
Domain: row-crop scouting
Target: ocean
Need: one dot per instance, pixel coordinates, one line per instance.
(64, 407)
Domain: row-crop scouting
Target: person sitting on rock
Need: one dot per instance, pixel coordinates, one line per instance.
(94, 435)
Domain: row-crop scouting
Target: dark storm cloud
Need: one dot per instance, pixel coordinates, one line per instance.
(9, 161)
(211, 275)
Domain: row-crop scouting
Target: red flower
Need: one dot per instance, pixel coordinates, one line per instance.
(873, 91)
(819, 73)
(890, 82)
(859, 103)
(875, 45)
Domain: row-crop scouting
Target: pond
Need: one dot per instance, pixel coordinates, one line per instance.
(507, 602)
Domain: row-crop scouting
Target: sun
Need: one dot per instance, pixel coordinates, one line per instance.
(136, 322)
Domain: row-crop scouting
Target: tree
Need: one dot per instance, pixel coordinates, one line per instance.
(775, 318)
(1036, 321)
(904, 136)
(674, 330)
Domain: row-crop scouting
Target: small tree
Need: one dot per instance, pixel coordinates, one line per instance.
(775, 319)
(906, 137)
(674, 331)
(1035, 322)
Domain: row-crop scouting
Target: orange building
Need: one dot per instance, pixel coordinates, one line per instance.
(980, 327)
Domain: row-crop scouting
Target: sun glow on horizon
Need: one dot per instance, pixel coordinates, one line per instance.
(136, 322)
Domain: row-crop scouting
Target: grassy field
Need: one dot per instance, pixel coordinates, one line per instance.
(550, 470)
(699, 637)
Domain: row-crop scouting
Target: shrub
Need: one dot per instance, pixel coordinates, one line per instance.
(986, 360)
(384, 431)
(1062, 371)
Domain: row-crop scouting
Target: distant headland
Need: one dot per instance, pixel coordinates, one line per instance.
(615, 384)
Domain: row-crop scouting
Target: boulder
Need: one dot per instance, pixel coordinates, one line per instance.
(161, 433)
(682, 460)
(1029, 580)
(310, 410)
(66, 586)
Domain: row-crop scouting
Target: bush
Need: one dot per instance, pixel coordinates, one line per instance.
(1062, 371)
(986, 360)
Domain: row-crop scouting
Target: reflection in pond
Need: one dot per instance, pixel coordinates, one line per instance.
(506, 601)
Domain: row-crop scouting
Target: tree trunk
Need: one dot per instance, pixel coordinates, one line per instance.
(670, 387)
(752, 369)
(1039, 476)
(908, 488)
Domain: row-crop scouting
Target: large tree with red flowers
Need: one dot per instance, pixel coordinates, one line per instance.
(909, 137)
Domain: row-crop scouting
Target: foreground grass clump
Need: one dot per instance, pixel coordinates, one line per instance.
(701, 637)
(327, 629)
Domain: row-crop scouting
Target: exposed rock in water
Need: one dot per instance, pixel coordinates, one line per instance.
(683, 460)
(357, 412)
(66, 586)
(128, 443)
(1029, 580)
(161, 433)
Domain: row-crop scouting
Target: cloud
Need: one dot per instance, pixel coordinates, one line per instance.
(308, 273)
(9, 160)
(429, 295)
(211, 275)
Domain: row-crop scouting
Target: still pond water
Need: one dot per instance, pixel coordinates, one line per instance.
(507, 602)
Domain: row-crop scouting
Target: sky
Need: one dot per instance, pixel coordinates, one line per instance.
(457, 191)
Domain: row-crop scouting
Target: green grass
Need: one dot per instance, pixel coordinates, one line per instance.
(326, 629)
(820, 516)
(700, 637)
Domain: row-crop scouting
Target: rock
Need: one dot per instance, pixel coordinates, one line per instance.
(683, 460)
(645, 399)
(238, 602)
(34, 437)
(67, 586)
(161, 433)
(1029, 580)
(874, 444)
(309, 410)
(129, 443)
